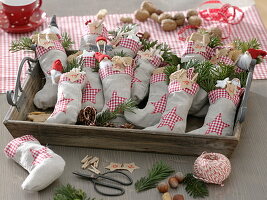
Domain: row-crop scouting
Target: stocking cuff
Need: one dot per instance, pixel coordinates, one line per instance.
(154, 60)
(239, 70)
(226, 60)
(175, 86)
(107, 71)
(214, 95)
(40, 50)
(11, 148)
(130, 44)
(158, 78)
(207, 53)
(89, 61)
(64, 78)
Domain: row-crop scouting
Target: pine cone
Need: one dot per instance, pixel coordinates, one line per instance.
(87, 116)
(127, 125)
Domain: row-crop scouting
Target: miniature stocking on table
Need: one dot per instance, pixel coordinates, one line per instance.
(146, 62)
(116, 76)
(47, 96)
(181, 93)
(43, 165)
(69, 98)
(151, 114)
(221, 113)
(92, 93)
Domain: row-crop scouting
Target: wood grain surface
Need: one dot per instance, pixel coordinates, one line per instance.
(246, 182)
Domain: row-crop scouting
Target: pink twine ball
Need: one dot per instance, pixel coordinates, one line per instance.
(212, 168)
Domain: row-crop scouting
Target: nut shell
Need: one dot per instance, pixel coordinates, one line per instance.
(168, 25)
(173, 182)
(163, 187)
(195, 21)
(164, 16)
(215, 31)
(179, 19)
(179, 176)
(146, 35)
(141, 15)
(159, 12)
(191, 13)
(127, 20)
(155, 17)
(149, 6)
(166, 196)
(178, 197)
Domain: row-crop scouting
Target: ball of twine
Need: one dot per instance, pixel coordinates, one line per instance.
(212, 168)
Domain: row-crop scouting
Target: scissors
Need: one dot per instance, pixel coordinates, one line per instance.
(98, 181)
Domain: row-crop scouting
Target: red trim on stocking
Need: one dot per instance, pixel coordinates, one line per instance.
(207, 54)
(40, 51)
(175, 86)
(158, 78)
(89, 61)
(40, 155)
(64, 78)
(214, 95)
(225, 60)
(130, 44)
(155, 60)
(107, 71)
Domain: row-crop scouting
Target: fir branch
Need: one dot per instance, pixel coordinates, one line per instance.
(168, 70)
(106, 116)
(244, 46)
(146, 44)
(168, 56)
(24, 43)
(66, 42)
(159, 172)
(215, 42)
(69, 192)
(223, 71)
(124, 29)
(96, 68)
(75, 63)
(121, 54)
(195, 187)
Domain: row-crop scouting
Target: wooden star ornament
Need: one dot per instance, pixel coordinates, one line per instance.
(130, 167)
(114, 166)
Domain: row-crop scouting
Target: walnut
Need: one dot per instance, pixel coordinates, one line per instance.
(168, 25)
(159, 12)
(164, 16)
(215, 31)
(195, 21)
(191, 13)
(147, 5)
(155, 17)
(141, 15)
(179, 19)
(127, 20)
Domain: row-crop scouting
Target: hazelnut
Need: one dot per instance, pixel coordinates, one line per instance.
(178, 197)
(179, 19)
(191, 13)
(163, 187)
(146, 35)
(158, 12)
(168, 25)
(215, 31)
(155, 17)
(179, 176)
(195, 21)
(127, 20)
(166, 196)
(173, 182)
(147, 5)
(141, 15)
(164, 16)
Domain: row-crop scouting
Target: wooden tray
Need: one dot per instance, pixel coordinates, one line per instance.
(112, 138)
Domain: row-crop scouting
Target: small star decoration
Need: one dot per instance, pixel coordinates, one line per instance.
(115, 101)
(217, 125)
(40, 155)
(170, 119)
(61, 105)
(160, 105)
(89, 93)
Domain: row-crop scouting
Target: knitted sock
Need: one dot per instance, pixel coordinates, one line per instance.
(181, 93)
(69, 98)
(43, 165)
(151, 114)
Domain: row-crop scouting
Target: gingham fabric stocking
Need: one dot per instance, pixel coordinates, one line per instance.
(142, 74)
(129, 46)
(69, 98)
(221, 113)
(178, 104)
(151, 114)
(92, 93)
(93, 29)
(47, 96)
(116, 84)
(44, 166)
(190, 52)
(199, 101)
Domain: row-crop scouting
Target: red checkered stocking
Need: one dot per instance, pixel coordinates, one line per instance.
(221, 113)
(43, 165)
(69, 99)
(178, 104)
(151, 114)
(129, 46)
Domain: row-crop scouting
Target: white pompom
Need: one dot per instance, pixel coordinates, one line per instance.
(244, 61)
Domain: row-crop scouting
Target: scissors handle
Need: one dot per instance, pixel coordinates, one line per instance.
(129, 179)
(98, 184)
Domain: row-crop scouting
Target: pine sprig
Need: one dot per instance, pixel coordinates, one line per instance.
(121, 54)
(168, 56)
(74, 63)
(106, 116)
(195, 187)
(159, 172)
(223, 71)
(69, 192)
(24, 43)
(244, 46)
(67, 42)
(124, 29)
(146, 44)
(168, 70)
(215, 42)
(96, 68)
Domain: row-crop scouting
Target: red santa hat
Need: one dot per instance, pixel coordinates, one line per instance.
(99, 56)
(99, 38)
(255, 53)
(57, 65)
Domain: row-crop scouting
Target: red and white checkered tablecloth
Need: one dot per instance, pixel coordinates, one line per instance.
(250, 27)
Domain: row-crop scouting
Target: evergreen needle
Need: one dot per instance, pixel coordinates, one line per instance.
(24, 43)
(159, 172)
(66, 41)
(168, 71)
(244, 46)
(73, 64)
